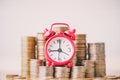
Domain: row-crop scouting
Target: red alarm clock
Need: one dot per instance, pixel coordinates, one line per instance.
(59, 48)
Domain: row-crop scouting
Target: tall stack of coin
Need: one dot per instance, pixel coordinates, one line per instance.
(28, 52)
(96, 53)
(40, 48)
(90, 68)
(78, 72)
(45, 73)
(10, 76)
(34, 68)
(80, 43)
(62, 72)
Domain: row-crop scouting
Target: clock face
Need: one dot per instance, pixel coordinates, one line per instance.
(60, 49)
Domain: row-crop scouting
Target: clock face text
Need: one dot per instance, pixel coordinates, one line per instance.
(60, 49)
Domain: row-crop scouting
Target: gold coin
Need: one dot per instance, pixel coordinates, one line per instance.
(80, 36)
(10, 76)
(40, 36)
(60, 29)
(28, 38)
(19, 78)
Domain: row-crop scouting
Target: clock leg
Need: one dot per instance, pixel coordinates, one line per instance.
(48, 63)
(69, 64)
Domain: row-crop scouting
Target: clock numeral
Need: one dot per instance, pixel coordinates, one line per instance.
(51, 55)
(49, 50)
(69, 50)
(58, 41)
(67, 45)
(59, 59)
(54, 42)
(51, 46)
(55, 58)
(63, 42)
(64, 58)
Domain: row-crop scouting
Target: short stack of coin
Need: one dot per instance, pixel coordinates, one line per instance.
(34, 68)
(96, 53)
(80, 43)
(45, 73)
(40, 48)
(62, 72)
(78, 72)
(90, 68)
(10, 76)
(28, 52)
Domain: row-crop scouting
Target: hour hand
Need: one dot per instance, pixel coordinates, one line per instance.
(52, 50)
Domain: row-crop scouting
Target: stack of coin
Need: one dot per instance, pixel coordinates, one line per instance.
(34, 68)
(78, 72)
(90, 68)
(62, 72)
(96, 53)
(60, 28)
(45, 73)
(10, 76)
(20, 78)
(40, 48)
(28, 52)
(80, 43)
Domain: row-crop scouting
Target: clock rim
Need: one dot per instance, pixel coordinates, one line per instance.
(56, 62)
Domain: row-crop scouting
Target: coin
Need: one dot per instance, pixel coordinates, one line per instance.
(20, 78)
(40, 36)
(80, 36)
(10, 76)
(60, 28)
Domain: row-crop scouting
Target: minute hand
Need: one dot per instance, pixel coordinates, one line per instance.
(59, 43)
(65, 53)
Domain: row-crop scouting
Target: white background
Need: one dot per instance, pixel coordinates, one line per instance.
(99, 19)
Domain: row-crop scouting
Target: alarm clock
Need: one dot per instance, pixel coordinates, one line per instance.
(59, 47)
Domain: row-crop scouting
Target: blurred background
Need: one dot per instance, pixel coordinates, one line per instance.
(98, 19)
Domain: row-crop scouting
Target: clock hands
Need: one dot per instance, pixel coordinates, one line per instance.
(59, 44)
(59, 51)
(65, 53)
(59, 56)
(52, 50)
